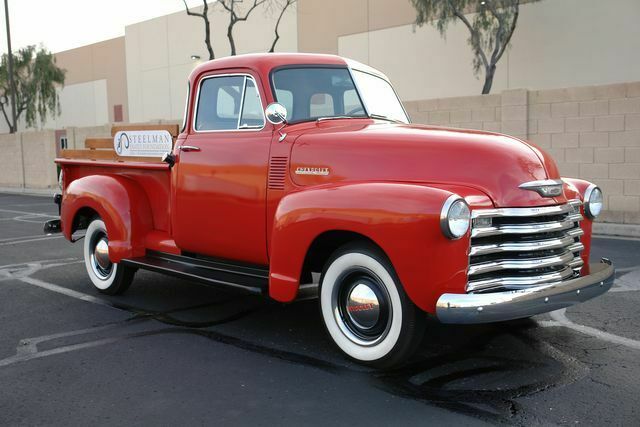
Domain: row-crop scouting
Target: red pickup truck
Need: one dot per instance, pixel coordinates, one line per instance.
(288, 165)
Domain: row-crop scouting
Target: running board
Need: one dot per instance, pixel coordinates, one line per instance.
(251, 279)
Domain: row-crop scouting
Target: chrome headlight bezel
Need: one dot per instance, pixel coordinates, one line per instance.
(593, 201)
(455, 217)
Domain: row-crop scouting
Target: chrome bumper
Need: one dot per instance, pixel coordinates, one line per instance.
(501, 306)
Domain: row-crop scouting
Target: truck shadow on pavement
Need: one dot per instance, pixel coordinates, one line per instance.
(476, 370)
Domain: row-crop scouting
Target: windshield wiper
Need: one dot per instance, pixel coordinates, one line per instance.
(319, 119)
(381, 117)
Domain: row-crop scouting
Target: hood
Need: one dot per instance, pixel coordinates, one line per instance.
(363, 150)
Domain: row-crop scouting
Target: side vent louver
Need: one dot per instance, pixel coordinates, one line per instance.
(277, 173)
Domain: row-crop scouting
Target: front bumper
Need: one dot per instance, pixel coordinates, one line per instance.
(501, 306)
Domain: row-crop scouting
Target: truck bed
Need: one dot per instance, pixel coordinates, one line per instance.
(152, 175)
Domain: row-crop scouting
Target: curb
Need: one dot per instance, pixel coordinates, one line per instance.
(45, 192)
(613, 229)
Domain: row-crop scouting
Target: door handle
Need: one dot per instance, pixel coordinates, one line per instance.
(189, 148)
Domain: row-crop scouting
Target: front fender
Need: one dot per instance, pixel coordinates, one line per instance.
(403, 219)
(121, 204)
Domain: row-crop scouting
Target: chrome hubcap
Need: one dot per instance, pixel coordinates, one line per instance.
(100, 262)
(102, 254)
(361, 307)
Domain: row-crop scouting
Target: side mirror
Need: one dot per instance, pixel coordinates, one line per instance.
(276, 113)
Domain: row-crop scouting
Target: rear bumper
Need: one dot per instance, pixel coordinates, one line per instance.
(501, 306)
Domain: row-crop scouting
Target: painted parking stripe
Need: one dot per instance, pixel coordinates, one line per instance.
(560, 319)
(16, 242)
(65, 291)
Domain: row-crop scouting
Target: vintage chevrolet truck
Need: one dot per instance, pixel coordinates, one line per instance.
(290, 167)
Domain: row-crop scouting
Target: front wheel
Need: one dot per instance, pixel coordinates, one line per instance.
(366, 310)
(108, 277)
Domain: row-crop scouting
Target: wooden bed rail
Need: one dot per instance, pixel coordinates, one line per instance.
(102, 148)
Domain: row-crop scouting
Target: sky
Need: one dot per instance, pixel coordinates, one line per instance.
(66, 24)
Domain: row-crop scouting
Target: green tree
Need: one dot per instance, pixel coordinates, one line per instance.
(37, 78)
(490, 27)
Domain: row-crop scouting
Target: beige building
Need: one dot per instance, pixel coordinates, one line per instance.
(557, 44)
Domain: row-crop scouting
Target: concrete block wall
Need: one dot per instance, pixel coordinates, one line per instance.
(12, 171)
(28, 160)
(593, 132)
(39, 150)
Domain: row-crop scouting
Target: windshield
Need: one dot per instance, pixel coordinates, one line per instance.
(311, 93)
(379, 97)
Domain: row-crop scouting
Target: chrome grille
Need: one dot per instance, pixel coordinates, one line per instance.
(524, 247)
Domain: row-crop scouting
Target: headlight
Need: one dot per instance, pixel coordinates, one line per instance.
(593, 201)
(455, 217)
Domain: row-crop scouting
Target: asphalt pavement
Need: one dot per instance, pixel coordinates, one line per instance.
(171, 352)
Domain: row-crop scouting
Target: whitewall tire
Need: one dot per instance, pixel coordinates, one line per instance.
(107, 277)
(365, 309)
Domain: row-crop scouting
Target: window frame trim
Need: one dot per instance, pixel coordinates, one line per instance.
(244, 88)
(185, 115)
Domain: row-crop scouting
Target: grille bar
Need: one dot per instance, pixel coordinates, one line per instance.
(527, 212)
(516, 282)
(531, 245)
(531, 228)
(524, 247)
(515, 264)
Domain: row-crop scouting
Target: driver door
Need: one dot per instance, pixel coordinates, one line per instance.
(220, 203)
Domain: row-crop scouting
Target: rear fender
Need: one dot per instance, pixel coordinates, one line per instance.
(402, 219)
(120, 203)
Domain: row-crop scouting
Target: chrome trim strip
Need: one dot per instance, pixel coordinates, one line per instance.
(519, 281)
(244, 93)
(532, 228)
(534, 245)
(526, 212)
(501, 306)
(521, 264)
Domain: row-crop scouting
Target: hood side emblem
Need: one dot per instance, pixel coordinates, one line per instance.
(545, 188)
(312, 171)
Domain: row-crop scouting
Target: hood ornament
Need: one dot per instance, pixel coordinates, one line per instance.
(545, 188)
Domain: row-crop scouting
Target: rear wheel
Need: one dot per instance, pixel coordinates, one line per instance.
(366, 310)
(107, 277)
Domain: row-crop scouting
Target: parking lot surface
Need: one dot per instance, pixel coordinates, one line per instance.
(173, 352)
